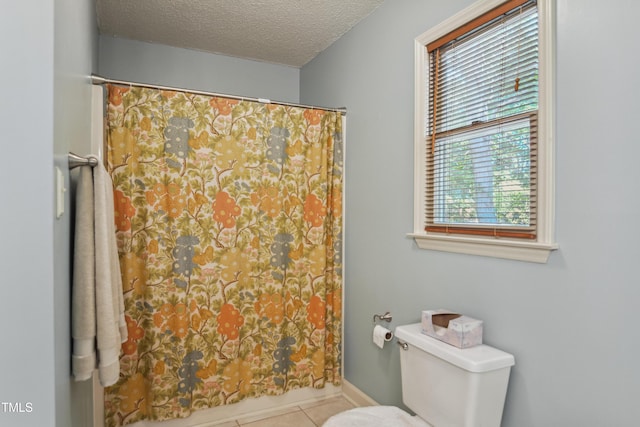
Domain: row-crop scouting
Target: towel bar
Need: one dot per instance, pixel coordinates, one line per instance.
(75, 161)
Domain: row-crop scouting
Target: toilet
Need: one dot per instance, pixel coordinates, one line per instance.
(442, 384)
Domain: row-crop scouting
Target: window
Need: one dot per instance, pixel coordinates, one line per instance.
(484, 139)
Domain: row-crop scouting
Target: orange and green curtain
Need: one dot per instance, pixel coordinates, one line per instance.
(229, 228)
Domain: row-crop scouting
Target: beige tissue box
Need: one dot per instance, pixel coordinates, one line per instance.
(452, 328)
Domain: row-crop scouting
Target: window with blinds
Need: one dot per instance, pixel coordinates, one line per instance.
(482, 126)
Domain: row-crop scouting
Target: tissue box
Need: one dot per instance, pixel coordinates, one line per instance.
(452, 328)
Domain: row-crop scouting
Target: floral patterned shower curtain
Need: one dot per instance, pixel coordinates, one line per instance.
(229, 227)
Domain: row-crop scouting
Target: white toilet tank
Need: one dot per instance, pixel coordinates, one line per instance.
(448, 386)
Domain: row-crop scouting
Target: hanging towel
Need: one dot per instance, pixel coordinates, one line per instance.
(83, 300)
(109, 326)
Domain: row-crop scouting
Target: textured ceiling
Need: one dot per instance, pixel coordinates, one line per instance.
(289, 32)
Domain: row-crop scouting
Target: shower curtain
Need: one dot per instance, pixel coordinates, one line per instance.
(229, 228)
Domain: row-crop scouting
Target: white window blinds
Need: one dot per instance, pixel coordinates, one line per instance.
(482, 126)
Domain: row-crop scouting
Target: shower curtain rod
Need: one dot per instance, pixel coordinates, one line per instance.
(97, 80)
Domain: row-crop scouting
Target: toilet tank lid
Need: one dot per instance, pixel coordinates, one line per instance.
(481, 358)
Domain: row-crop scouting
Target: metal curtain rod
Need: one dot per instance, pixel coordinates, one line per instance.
(97, 80)
(75, 161)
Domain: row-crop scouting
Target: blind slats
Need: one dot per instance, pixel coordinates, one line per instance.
(477, 77)
(469, 77)
(493, 49)
(475, 23)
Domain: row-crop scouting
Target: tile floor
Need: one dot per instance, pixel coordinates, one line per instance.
(306, 415)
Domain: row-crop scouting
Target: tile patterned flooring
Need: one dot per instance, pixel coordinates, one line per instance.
(306, 415)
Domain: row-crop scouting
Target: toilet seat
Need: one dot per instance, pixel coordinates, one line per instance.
(375, 416)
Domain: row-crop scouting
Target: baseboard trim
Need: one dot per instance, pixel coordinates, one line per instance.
(349, 391)
(356, 396)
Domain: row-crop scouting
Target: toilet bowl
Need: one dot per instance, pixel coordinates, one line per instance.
(442, 384)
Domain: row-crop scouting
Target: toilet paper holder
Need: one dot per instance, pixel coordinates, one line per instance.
(386, 317)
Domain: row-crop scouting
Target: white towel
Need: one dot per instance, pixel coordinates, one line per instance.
(83, 302)
(111, 326)
(98, 304)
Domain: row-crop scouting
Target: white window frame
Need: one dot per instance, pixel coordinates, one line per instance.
(532, 251)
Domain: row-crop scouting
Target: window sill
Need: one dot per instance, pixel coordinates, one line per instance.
(508, 249)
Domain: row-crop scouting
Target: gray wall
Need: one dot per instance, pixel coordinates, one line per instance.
(26, 302)
(130, 60)
(571, 323)
(50, 49)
